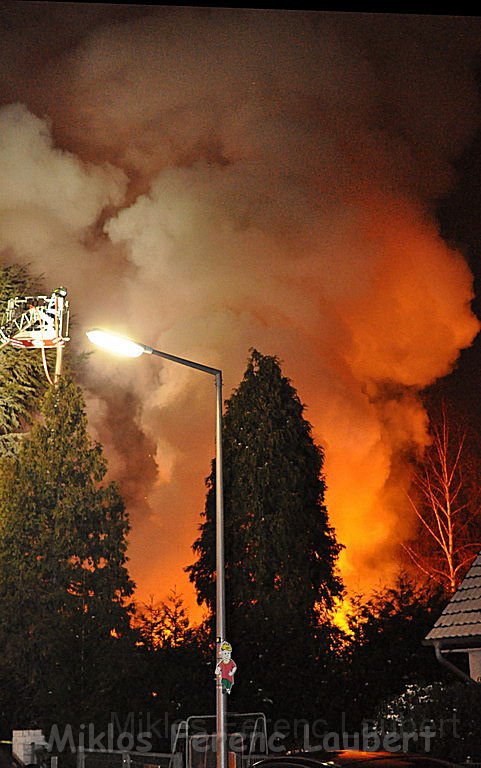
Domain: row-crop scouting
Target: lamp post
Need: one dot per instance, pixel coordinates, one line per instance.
(128, 348)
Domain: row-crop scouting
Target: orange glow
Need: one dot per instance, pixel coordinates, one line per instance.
(398, 329)
(342, 610)
(242, 190)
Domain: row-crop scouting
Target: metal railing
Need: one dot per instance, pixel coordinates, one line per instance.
(90, 758)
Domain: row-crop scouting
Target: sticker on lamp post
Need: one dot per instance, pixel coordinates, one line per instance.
(226, 667)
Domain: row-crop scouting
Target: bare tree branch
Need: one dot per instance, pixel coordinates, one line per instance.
(449, 520)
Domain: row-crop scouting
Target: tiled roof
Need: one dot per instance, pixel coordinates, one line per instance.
(461, 619)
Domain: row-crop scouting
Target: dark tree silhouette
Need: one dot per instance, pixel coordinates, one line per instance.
(385, 650)
(64, 585)
(281, 552)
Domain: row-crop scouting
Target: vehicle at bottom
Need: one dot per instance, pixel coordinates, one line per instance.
(351, 759)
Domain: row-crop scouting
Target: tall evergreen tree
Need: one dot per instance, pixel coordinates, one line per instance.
(64, 586)
(280, 550)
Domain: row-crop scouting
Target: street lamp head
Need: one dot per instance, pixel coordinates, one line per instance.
(112, 342)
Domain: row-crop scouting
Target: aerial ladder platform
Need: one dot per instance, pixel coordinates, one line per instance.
(38, 322)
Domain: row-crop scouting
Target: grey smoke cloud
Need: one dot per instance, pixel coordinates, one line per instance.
(208, 180)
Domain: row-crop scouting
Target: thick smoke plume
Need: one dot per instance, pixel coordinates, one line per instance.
(209, 180)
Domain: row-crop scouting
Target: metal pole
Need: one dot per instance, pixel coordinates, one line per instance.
(457, 671)
(58, 364)
(221, 704)
(221, 708)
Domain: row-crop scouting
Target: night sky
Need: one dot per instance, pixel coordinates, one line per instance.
(209, 180)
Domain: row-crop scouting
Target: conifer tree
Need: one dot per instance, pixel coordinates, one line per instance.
(176, 629)
(176, 670)
(164, 623)
(64, 585)
(280, 550)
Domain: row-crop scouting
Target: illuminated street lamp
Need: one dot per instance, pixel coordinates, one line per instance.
(126, 347)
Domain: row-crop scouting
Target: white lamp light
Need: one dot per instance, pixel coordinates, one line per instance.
(119, 345)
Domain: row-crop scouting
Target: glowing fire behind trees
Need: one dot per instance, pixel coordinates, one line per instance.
(209, 180)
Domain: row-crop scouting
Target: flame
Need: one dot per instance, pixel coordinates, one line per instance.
(342, 610)
(218, 197)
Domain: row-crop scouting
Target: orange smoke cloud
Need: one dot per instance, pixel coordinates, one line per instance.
(208, 180)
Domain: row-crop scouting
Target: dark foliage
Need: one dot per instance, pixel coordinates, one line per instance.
(449, 710)
(281, 552)
(385, 652)
(177, 675)
(64, 588)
